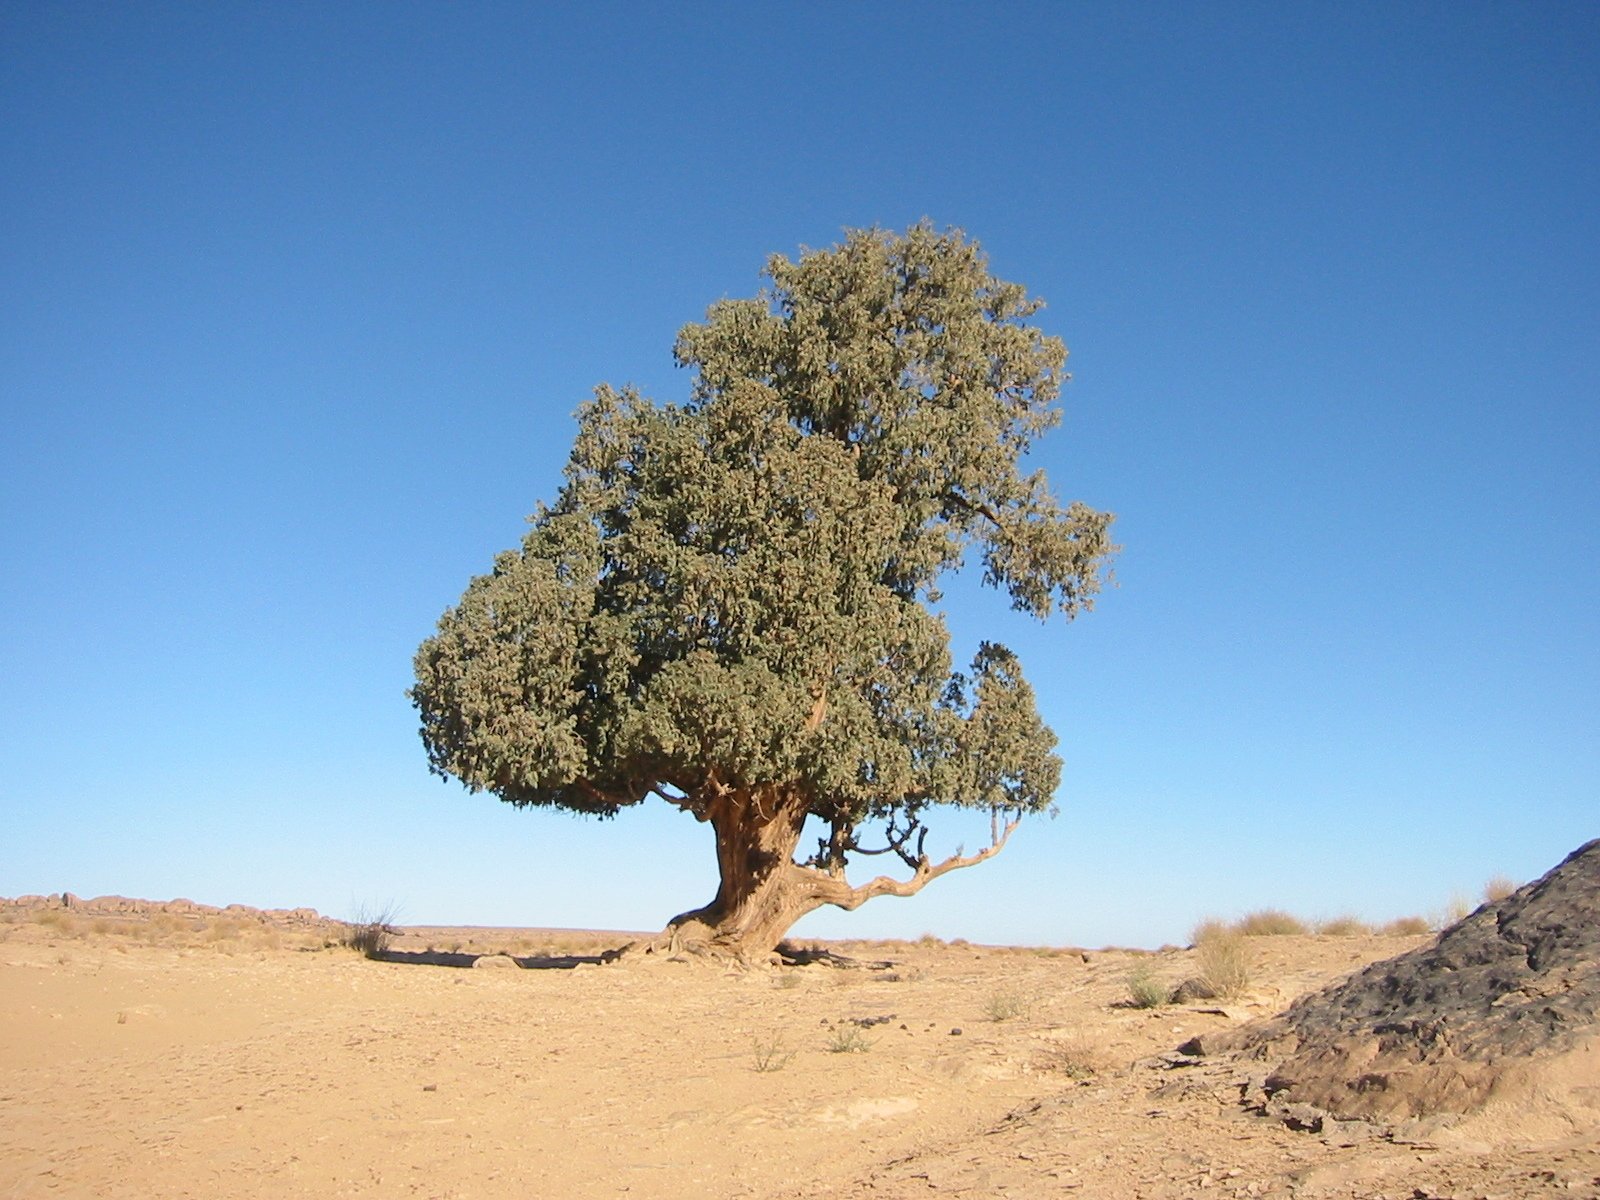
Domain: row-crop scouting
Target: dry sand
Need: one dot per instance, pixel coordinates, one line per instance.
(218, 1055)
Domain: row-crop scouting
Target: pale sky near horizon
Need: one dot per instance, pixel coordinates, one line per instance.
(298, 300)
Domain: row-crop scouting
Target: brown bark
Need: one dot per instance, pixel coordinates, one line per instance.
(757, 899)
(763, 891)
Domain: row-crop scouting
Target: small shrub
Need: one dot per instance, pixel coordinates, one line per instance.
(848, 1039)
(1498, 889)
(55, 918)
(769, 1054)
(372, 931)
(787, 981)
(1269, 922)
(223, 929)
(1453, 913)
(1006, 1005)
(1405, 927)
(1343, 927)
(1147, 991)
(1073, 1056)
(1224, 961)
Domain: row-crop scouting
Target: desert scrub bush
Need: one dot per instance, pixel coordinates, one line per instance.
(1346, 926)
(848, 1039)
(1006, 1005)
(1498, 888)
(769, 1053)
(1224, 962)
(223, 929)
(1405, 927)
(1074, 1056)
(1457, 910)
(372, 931)
(1269, 922)
(1145, 990)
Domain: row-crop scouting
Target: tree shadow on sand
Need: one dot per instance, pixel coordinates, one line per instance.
(528, 962)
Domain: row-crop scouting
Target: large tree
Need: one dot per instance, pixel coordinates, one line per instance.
(729, 606)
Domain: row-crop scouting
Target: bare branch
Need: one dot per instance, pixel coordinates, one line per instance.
(828, 889)
(898, 840)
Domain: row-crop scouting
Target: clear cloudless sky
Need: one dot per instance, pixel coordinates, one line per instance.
(297, 300)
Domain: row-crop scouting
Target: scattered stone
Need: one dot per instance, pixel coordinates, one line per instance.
(1191, 990)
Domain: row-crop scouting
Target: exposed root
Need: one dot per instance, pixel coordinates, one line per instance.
(799, 956)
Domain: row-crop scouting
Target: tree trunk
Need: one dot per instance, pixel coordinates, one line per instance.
(762, 891)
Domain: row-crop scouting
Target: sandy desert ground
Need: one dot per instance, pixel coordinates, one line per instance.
(205, 1054)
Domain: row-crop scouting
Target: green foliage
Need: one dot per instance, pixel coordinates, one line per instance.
(768, 1054)
(734, 593)
(848, 1039)
(1145, 989)
(1006, 1005)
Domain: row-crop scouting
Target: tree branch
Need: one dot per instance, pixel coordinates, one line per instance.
(897, 842)
(834, 890)
(977, 508)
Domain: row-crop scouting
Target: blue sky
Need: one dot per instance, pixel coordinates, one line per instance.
(299, 300)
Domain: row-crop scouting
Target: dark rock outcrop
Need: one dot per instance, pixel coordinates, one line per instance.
(1447, 1026)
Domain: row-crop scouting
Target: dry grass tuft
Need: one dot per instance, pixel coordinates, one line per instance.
(1224, 961)
(56, 918)
(1498, 888)
(1346, 926)
(1405, 927)
(1269, 922)
(372, 931)
(1007, 1004)
(1453, 913)
(1074, 1056)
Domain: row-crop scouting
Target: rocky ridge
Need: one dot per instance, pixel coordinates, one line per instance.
(1501, 1007)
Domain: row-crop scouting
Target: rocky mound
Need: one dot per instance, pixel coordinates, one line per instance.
(1503, 1006)
(124, 908)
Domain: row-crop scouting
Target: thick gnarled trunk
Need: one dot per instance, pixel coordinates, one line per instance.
(762, 892)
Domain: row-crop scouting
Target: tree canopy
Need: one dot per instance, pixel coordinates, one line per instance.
(731, 603)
